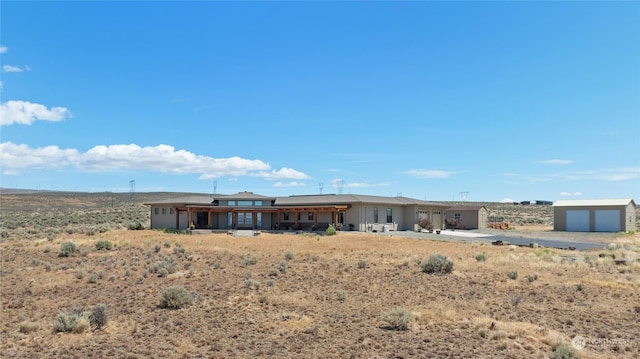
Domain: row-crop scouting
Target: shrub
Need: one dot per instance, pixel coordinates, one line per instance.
(68, 249)
(163, 267)
(104, 244)
(342, 295)
(28, 327)
(512, 275)
(398, 319)
(282, 267)
(331, 230)
(532, 277)
(249, 261)
(135, 226)
(288, 255)
(74, 322)
(426, 223)
(175, 297)
(252, 283)
(563, 352)
(481, 257)
(362, 264)
(98, 317)
(436, 264)
(273, 272)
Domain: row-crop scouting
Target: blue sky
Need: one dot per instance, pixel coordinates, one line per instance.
(431, 100)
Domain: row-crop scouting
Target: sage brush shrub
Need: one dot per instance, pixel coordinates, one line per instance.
(163, 266)
(563, 352)
(135, 226)
(331, 230)
(512, 275)
(398, 318)
(175, 297)
(104, 244)
(437, 264)
(74, 322)
(98, 317)
(68, 249)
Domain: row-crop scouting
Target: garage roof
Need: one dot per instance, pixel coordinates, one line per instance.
(594, 202)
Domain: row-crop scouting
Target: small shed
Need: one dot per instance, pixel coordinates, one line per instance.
(471, 217)
(600, 215)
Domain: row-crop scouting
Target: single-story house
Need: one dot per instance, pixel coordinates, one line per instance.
(246, 210)
(601, 215)
(469, 217)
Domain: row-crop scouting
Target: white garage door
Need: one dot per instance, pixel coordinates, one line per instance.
(577, 220)
(607, 220)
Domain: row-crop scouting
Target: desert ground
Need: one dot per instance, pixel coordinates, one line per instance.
(306, 295)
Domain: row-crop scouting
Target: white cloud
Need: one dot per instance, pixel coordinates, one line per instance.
(290, 184)
(161, 158)
(430, 173)
(25, 113)
(284, 172)
(11, 68)
(567, 194)
(556, 162)
(3, 49)
(507, 200)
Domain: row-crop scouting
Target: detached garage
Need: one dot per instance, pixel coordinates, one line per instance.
(602, 215)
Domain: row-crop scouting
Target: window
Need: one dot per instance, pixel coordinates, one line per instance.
(375, 215)
(389, 215)
(259, 219)
(164, 211)
(257, 203)
(156, 210)
(231, 203)
(229, 219)
(285, 216)
(456, 216)
(310, 216)
(172, 211)
(245, 203)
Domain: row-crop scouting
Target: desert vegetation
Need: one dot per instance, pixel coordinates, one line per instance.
(145, 293)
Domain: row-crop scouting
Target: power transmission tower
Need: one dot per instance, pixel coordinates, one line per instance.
(132, 190)
(320, 185)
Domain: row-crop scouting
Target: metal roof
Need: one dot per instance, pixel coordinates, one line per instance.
(350, 199)
(326, 199)
(594, 202)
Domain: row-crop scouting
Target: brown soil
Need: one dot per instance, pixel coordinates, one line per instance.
(327, 304)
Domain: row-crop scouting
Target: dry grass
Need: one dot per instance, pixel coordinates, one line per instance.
(473, 312)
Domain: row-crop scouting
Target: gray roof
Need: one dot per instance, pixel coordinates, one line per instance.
(193, 199)
(349, 199)
(305, 200)
(593, 202)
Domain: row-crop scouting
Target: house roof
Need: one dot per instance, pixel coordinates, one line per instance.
(465, 208)
(594, 202)
(325, 199)
(193, 199)
(350, 198)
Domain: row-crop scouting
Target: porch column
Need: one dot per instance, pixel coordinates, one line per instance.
(177, 219)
